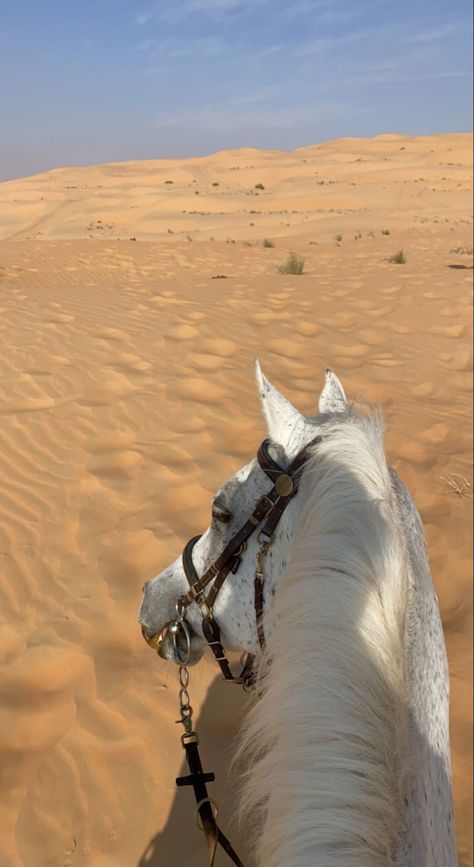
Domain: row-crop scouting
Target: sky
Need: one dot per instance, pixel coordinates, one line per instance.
(92, 81)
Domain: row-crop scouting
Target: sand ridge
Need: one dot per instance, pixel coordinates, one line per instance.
(244, 193)
(127, 398)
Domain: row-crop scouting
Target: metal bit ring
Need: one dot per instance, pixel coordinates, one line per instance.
(174, 629)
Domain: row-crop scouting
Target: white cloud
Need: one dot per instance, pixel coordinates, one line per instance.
(143, 18)
(240, 116)
(439, 32)
(213, 5)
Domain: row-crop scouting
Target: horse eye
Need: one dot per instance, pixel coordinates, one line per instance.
(221, 515)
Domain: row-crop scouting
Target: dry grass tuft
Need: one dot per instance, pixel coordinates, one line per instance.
(293, 265)
(398, 258)
(457, 484)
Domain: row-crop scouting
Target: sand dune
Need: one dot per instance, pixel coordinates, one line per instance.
(127, 397)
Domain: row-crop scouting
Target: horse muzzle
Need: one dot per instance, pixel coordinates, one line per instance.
(154, 639)
(172, 645)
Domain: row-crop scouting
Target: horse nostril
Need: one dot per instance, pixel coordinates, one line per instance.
(145, 586)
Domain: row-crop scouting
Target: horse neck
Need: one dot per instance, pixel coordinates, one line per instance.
(427, 831)
(325, 739)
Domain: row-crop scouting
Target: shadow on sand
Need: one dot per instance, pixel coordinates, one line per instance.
(181, 843)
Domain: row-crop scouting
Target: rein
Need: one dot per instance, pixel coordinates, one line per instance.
(268, 511)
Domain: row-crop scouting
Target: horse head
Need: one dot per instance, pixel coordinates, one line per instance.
(234, 610)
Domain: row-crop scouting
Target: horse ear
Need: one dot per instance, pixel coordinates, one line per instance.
(332, 397)
(280, 415)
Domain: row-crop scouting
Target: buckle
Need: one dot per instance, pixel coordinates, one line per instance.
(204, 608)
(260, 503)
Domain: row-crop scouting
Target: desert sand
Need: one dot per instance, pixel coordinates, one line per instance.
(134, 299)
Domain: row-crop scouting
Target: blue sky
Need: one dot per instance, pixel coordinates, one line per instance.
(88, 81)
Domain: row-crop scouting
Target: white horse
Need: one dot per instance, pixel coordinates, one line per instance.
(347, 744)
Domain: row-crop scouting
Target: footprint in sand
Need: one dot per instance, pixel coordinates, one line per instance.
(263, 317)
(449, 311)
(117, 465)
(219, 346)
(436, 434)
(31, 404)
(306, 329)
(400, 329)
(131, 364)
(182, 332)
(355, 350)
(115, 387)
(113, 334)
(450, 330)
(362, 304)
(192, 424)
(461, 361)
(380, 311)
(340, 321)
(417, 453)
(47, 365)
(290, 366)
(205, 362)
(58, 318)
(177, 460)
(197, 389)
(110, 442)
(424, 389)
(390, 291)
(370, 337)
(285, 348)
(384, 359)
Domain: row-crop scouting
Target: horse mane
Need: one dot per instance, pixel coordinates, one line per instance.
(324, 741)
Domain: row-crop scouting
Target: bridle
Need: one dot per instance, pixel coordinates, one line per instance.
(266, 515)
(269, 508)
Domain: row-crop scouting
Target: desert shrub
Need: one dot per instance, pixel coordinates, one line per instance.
(398, 258)
(293, 265)
(259, 187)
(462, 251)
(267, 243)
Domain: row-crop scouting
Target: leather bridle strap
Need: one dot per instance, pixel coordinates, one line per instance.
(269, 509)
(274, 472)
(229, 556)
(198, 779)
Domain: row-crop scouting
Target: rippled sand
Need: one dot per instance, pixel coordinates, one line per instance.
(127, 398)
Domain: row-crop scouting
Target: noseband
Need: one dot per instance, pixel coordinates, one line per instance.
(268, 511)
